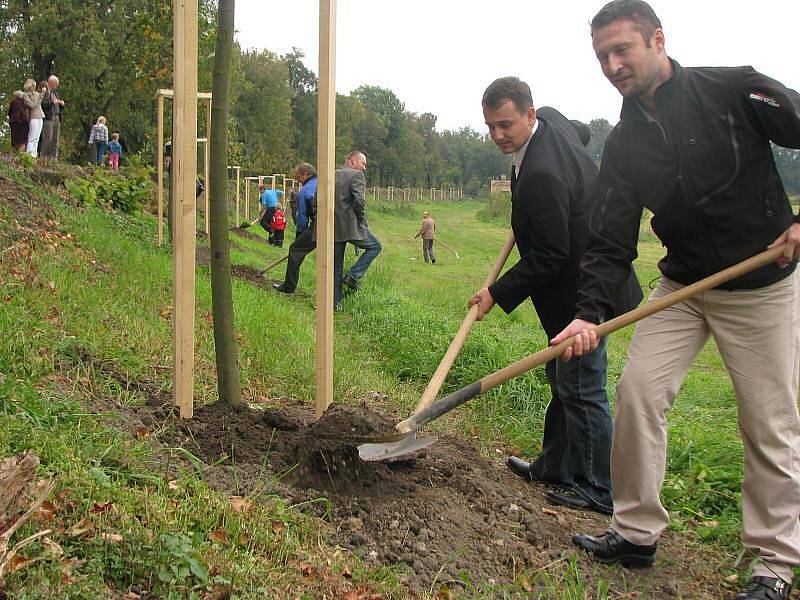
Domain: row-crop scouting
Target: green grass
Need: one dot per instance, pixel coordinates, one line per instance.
(109, 291)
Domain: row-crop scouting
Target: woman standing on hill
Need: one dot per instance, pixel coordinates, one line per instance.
(18, 116)
(33, 101)
(99, 137)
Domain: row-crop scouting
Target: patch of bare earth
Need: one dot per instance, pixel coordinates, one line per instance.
(443, 515)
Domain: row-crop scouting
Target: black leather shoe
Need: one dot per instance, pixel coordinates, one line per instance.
(610, 547)
(278, 287)
(766, 588)
(351, 283)
(570, 499)
(521, 468)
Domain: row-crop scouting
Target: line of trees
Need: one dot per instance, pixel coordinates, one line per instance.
(112, 56)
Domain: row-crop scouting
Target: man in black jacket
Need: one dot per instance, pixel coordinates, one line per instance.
(552, 180)
(693, 146)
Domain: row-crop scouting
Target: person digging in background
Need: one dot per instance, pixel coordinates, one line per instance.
(268, 200)
(305, 240)
(693, 146)
(428, 233)
(552, 179)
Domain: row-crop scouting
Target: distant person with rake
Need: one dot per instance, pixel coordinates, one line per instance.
(693, 146)
(428, 234)
(552, 179)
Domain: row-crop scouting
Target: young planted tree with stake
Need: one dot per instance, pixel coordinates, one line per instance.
(227, 353)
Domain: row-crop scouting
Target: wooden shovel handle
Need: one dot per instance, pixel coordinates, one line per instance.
(435, 384)
(274, 263)
(459, 397)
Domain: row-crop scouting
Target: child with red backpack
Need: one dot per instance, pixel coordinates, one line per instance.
(278, 226)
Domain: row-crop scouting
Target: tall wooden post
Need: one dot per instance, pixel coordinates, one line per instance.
(326, 156)
(184, 163)
(206, 168)
(160, 166)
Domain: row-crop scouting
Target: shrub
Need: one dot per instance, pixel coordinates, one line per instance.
(126, 192)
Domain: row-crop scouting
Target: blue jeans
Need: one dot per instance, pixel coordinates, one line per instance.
(576, 450)
(371, 246)
(100, 149)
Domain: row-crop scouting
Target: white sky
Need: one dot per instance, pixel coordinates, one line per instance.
(439, 55)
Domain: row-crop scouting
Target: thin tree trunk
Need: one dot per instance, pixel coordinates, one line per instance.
(221, 293)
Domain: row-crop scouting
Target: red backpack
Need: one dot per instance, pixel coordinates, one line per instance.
(278, 222)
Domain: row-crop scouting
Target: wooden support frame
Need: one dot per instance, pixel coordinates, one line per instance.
(184, 165)
(326, 156)
(433, 194)
(283, 181)
(247, 181)
(205, 97)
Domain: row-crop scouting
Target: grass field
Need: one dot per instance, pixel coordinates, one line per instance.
(101, 286)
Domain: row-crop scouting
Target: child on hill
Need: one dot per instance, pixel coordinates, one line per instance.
(114, 152)
(278, 227)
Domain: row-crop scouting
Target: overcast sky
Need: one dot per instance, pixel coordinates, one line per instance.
(439, 55)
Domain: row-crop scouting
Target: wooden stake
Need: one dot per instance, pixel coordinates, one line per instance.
(326, 156)
(160, 165)
(207, 169)
(184, 163)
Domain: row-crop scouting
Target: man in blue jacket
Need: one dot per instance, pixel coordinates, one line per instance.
(305, 241)
(693, 147)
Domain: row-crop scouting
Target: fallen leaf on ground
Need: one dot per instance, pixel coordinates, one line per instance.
(240, 504)
(101, 507)
(307, 569)
(114, 538)
(278, 527)
(219, 536)
(548, 511)
(19, 562)
(173, 485)
(81, 528)
(346, 573)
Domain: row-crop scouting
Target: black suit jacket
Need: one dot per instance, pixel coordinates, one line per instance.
(551, 202)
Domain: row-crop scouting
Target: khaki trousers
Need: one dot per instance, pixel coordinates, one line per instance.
(758, 336)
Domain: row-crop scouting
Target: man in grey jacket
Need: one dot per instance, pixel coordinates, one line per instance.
(350, 224)
(53, 107)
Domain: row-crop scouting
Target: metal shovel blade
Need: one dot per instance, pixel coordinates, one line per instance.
(407, 445)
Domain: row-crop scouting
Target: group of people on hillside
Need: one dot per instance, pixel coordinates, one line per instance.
(34, 115)
(693, 147)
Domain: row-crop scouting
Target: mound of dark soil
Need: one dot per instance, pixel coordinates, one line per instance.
(447, 516)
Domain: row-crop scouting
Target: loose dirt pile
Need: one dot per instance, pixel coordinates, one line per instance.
(446, 516)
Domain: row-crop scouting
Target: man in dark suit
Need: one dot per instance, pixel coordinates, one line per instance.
(350, 224)
(552, 180)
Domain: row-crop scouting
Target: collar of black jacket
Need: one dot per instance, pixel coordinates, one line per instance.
(667, 92)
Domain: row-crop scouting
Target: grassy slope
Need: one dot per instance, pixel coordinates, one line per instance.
(389, 338)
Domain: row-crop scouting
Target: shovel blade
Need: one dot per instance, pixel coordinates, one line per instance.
(407, 445)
